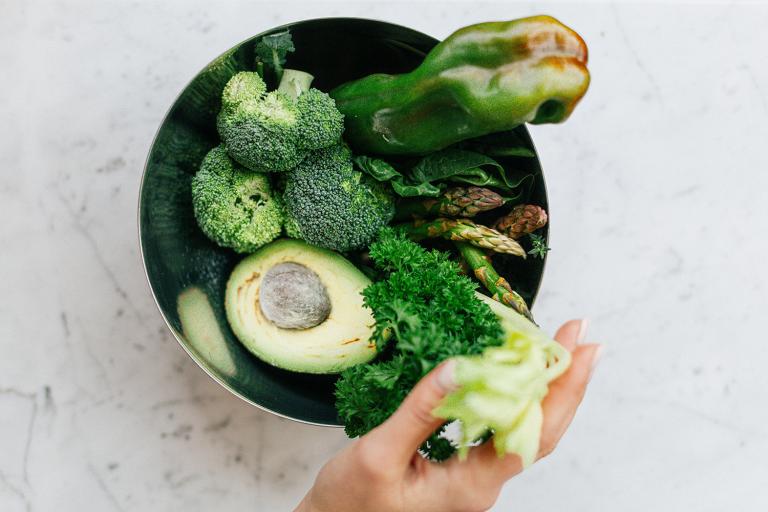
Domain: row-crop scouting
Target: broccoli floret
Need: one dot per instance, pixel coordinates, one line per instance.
(320, 124)
(234, 207)
(330, 204)
(290, 227)
(273, 132)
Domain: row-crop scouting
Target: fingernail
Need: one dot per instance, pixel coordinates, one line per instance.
(446, 376)
(583, 325)
(595, 360)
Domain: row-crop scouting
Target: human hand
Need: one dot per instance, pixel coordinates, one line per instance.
(382, 471)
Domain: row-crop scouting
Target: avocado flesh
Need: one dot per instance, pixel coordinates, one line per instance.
(340, 341)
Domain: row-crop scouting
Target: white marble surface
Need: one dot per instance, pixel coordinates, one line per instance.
(658, 191)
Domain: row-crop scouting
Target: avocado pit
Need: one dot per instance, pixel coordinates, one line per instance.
(292, 296)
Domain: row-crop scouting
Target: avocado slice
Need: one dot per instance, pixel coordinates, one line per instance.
(300, 308)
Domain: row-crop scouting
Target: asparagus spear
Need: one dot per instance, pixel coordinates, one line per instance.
(454, 202)
(522, 220)
(463, 230)
(483, 270)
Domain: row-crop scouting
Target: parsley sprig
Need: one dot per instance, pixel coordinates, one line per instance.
(425, 312)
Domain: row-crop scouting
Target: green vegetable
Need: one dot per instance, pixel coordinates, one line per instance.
(330, 204)
(453, 202)
(273, 132)
(272, 51)
(502, 389)
(429, 175)
(201, 328)
(234, 207)
(522, 220)
(464, 166)
(428, 312)
(300, 308)
(539, 249)
(483, 270)
(294, 83)
(482, 79)
(463, 230)
(460, 165)
(382, 171)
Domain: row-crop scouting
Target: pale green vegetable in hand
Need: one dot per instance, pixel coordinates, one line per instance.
(501, 390)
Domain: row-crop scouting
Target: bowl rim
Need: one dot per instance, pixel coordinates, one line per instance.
(198, 360)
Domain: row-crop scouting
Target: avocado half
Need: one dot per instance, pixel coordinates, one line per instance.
(300, 308)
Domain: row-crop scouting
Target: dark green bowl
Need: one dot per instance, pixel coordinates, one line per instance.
(187, 272)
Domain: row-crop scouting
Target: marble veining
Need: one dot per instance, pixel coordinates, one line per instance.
(657, 186)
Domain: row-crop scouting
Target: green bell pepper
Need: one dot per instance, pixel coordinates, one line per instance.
(484, 78)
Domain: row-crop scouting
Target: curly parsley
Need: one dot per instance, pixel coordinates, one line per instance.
(425, 312)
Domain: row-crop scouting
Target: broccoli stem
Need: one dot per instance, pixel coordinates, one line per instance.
(294, 82)
(277, 65)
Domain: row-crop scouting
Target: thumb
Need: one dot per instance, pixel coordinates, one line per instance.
(413, 422)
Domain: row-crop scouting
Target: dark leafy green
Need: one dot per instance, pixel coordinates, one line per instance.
(383, 171)
(462, 166)
(376, 168)
(429, 176)
(425, 312)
